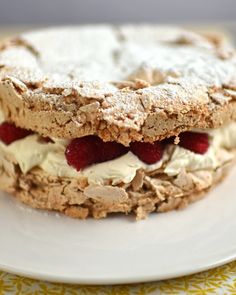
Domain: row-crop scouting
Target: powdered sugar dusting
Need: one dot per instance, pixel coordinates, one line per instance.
(98, 54)
(185, 62)
(90, 62)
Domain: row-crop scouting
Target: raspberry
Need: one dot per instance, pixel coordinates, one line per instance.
(147, 152)
(194, 141)
(10, 133)
(82, 152)
(111, 150)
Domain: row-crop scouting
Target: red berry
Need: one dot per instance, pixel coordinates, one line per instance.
(85, 151)
(194, 141)
(82, 152)
(111, 150)
(147, 152)
(10, 133)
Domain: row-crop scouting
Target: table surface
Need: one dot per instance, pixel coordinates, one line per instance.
(221, 280)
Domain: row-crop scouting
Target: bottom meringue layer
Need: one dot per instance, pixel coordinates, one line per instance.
(148, 192)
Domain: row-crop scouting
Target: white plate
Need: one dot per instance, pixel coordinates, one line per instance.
(118, 249)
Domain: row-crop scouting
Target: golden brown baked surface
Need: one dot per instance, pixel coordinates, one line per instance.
(122, 83)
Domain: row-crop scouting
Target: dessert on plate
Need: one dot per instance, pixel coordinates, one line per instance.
(103, 119)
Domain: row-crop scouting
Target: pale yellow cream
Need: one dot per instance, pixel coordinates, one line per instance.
(221, 139)
(29, 152)
(122, 169)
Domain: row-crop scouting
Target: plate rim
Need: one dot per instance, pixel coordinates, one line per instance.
(37, 275)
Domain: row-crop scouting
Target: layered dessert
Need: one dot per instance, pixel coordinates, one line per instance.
(101, 119)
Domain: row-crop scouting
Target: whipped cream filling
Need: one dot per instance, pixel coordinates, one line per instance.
(31, 152)
(221, 140)
(122, 169)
